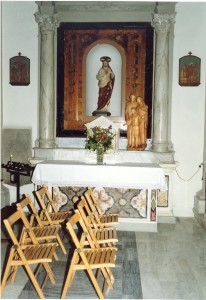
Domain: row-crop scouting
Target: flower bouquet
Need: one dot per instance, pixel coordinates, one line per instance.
(99, 139)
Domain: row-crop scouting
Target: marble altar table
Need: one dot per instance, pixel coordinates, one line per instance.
(121, 175)
(127, 188)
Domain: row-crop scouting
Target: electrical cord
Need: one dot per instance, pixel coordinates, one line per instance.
(201, 165)
(190, 177)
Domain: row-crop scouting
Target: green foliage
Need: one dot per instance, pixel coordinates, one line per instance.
(99, 138)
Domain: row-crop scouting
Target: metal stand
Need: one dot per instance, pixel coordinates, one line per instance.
(17, 169)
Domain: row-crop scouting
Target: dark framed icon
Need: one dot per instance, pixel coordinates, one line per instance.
(189, 70)
(19, 70)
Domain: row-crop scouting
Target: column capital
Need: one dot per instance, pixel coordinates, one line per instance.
(46, 21)
(163, 22)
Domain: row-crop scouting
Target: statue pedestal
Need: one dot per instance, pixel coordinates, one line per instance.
(139, 148)
(101, 113)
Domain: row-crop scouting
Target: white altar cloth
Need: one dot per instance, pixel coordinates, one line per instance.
(121, 175)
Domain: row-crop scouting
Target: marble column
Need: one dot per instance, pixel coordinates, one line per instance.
(162, 24)
(200, 197)
(47, 24)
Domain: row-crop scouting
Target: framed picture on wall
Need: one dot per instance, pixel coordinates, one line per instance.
(189, 70)
(19, 70)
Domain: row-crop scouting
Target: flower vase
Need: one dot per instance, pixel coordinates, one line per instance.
(100, 155)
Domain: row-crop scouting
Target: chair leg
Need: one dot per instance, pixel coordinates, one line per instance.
(34, 281)
(6, 271)
(61, 244)
(70, 276)
(95, 284)
(110, 274)
(36, 272)
(56, 256)
(13, 273)
(44, 281)
(97, 274)
(68, 282)
(107, 277)
(49, 272)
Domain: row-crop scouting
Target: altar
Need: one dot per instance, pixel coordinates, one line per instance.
(130, 189)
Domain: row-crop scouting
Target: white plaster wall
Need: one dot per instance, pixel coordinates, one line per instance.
(188, 106)
(20, 104)
(20, 34)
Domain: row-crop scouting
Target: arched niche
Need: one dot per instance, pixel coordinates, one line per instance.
(91, 66)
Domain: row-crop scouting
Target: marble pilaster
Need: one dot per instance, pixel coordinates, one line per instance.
(47, 24)
(162, 24)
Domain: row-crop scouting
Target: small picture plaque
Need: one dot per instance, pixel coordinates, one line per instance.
(19, 70)
(189, 70)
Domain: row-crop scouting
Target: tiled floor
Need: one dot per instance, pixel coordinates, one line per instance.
(172, 262)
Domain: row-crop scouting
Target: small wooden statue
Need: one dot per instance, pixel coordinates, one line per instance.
(136, 116)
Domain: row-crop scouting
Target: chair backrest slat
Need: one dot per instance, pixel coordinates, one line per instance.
(40, 195)
(86, 213)
(47, 198)
(74, 220)
(19, 217)
(95, 235)
(27, 202)
(92, 200)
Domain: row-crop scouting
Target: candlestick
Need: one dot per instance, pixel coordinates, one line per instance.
(117, 140)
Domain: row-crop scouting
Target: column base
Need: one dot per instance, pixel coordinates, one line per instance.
(199, 203)
(162, 147)
(201, 219)
(199, 209)
(47, 143)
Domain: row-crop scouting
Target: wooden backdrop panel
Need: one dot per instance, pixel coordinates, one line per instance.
(74, 40)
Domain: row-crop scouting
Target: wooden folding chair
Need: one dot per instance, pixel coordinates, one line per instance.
(26, 255)
(88, 259)
(106, 236)
(42, 232)
(96, 238)
(49, 213)
(103, 219)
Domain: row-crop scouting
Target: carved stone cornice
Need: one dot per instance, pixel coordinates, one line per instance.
(99, 6)
(47, 22)
(163, 22)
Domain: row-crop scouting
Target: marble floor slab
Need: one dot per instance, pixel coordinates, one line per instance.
(172, 263)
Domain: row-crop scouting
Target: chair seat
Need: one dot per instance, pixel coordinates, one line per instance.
(37, 253)
(97, 258)
(57, 217)
(48, 232)
(104, 236)
(109, 220)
